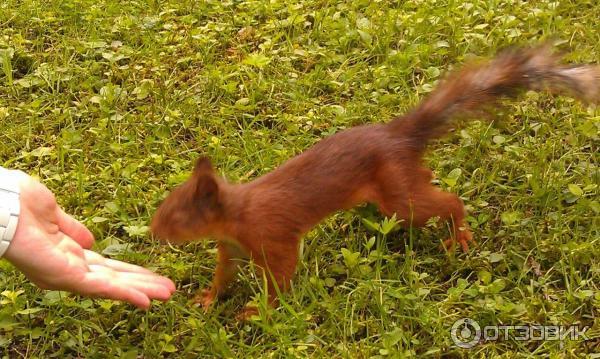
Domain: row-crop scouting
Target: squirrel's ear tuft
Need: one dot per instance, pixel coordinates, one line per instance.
(206, 185)
(203, 166)
(206, 193)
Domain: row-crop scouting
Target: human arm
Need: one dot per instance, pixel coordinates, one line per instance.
(52, 249)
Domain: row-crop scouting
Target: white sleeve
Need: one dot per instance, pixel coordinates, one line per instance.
(10, 208)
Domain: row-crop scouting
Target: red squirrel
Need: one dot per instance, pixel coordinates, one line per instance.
(263, 220)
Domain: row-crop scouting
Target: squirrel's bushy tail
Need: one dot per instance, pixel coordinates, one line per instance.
(477, 86)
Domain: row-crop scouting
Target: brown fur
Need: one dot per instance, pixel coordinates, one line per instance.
(378, 163)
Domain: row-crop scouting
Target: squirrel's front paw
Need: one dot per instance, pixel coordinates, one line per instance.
(205, 298)
(463, 238)
(247, 313)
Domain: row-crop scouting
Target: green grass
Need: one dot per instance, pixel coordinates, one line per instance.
(109, 102)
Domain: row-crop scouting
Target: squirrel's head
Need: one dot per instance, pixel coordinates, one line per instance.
(194, 209)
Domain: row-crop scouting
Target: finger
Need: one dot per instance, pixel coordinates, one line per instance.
(152, 290)
(160, 285)
(100, 284)
(126, 267)
(153, 287)
(92, 257)
(95, 258)
(75, 229)
(152, 280)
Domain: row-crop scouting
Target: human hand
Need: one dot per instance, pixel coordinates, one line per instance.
(52, 249)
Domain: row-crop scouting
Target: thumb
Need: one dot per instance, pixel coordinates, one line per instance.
(75, 229)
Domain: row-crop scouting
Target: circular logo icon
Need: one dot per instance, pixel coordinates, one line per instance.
(465, 333)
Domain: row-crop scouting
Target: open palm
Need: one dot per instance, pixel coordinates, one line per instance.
(52, 249)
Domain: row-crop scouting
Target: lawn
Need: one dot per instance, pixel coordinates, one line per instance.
(109, 102)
